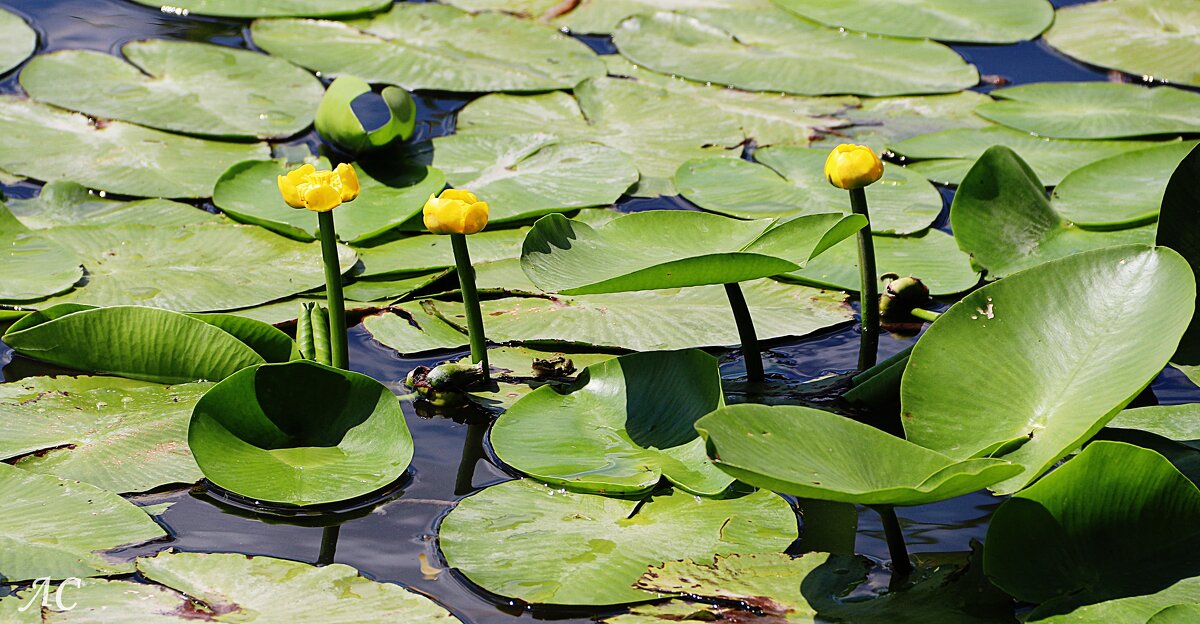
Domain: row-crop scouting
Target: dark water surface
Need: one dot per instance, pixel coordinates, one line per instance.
(385, 544)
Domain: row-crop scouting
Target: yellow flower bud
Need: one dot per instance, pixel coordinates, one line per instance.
(853, 166)
(455, 211)
(319, 191)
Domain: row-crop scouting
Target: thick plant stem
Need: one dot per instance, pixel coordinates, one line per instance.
(471, 454)
(869, 293)
(901, 566)
(466, 281)
(329, 540)
(745, 327)
(925, 315)
(333, 292)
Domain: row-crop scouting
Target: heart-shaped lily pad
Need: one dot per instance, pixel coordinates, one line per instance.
(1122, 190)
(1180, 423)
(932, 256)
(63, 203)
(300, 433)
(274, 8)
(33, 266)
(622, 428)
(1000, 374)
(566, 548)
(879, 122)
(1094, 110)
(598, 17)
(969, 21)
(816, 454)
(19, 40)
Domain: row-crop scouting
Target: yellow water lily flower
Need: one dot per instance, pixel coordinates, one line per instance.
(319, 191)
(455, 211)
(853, 166)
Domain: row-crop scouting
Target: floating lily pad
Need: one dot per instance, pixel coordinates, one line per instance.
(67, 203)
(59, 528)
(48, 143)
(790, 181)
(774, 50)
(947, 156)
(147, 343)
(1123, 190)
(1150, 38)
(421, 46)
(999, 374)
(368, 290)
(389, 196)
(117, 434)
(1094, 110)
(815, 454)
(300, 433)
(349, 105)
(1177, 614)
(181, 86)
(33, 266)
(969, 21)
(624, 427)
(431, 252)
(1001, 216)
(1056, 542)
(286, 310)
(1131, 610)
(879, 122)
(19, 41)
(1175, 230)
(274, 8)
(412, 329)
(582, 549)
(1180, 423)
(673, 249)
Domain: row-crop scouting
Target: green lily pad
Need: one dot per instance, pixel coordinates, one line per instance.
(1175, 221)
(431, 252)
(274, 8)
(300, 433)
(67, 203)
(117, 434)
(566, 548)
(19, 40)
(412, 329)
(774, 50)
(370, 290)
(1131, 610)
(658, 128)
(879, 122)
(815, 454)
(1177, 614)
(33, 266)
(1180, 423)
(673, 249)
(1123, 190)
(970, 21)
(1001, 216)
(338, 119)
(790, 181)
(1150, 38)
(59, 528)
(388, 197)
(1055, 543)
(147, 343)
(630, 426)
(998, 374)
(933, 256)
(945, 157)
(1094, 110)
(286, 310)
(421, 46)
(181, 86)
(599, 17)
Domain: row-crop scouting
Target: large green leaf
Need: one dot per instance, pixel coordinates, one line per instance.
(879, 122)
(1180, 423)
(388, 197)
(19, 41)
(59, 528)
(1126, 189)
(1151, 38)
(1131, 610)
(625, 426)
(1033, 365)
(67, 203)
(565, 548)
(120, 435)
(947, 156)
(970, 21)
(286, 310)
(1176, 229)
(1001, 216)
(431, 252)
(774, 50)
(274, 8)
(300, 433)
(673, 249)
(412, 329)
(1094, 110)
(1177, 614)
(182, 86)
(790, 181)
(815, 454)
(33, 266)
(422, 46)
(1115, 521)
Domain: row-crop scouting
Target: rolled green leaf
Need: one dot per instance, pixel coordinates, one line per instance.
(343, 116)
(304, 332)
(322, 350)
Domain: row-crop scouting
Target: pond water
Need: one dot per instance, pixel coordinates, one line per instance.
(386, 544)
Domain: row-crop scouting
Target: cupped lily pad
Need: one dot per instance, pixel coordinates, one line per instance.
(19, 40)
(566, 548)
(67, 203)
(274, 8)
(946, 157)
(300, 433)
(810, 453)
(1000, 374)
(33, 266)
(626, 425)
(356, 119)
(389, 196)
(790, 181)
(1094, 110)
(181, 86)
(1122, 190)
(422, 46)
(879, 122)
(673, 249)
(147, 343)
(1001, 216)
(966, 21)
(60, 528)
(1150, 38)
(1180, 423)
(774, 50)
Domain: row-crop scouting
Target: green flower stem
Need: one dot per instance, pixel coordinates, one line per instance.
(329, 540)
(745, 326)
(466, 281)
(869, 293)
(901, 565)
(333, 292)
(925, 315)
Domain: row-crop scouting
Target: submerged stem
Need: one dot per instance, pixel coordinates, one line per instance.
(333, 292)
(869, 292)
(745, 326)
(466, 281)
(329, 540)
(901, 565)
(925, 315)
